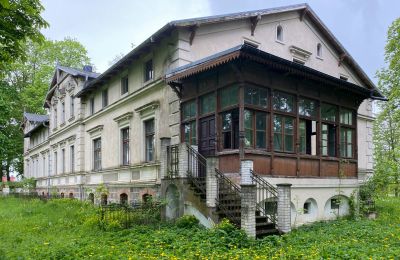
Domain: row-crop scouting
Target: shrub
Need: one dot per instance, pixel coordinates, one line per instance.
(187, 221)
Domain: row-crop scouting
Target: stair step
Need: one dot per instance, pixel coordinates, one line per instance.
(266, 225)
(266, 232)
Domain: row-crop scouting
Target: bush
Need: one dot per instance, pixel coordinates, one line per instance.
(187, 221)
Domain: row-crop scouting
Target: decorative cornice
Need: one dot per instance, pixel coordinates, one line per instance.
(95, 129)
(149, 107)
(123, 117)
(300, 53)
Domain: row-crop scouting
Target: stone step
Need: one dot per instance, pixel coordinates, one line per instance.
(266, 232)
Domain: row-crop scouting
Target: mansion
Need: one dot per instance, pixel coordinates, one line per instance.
(211, 108)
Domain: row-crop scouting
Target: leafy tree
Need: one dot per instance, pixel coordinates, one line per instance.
(20, 21)
(387, 125)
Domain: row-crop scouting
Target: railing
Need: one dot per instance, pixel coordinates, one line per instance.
(228, 199)
(197, 169)
(266, 198)
(173, 161)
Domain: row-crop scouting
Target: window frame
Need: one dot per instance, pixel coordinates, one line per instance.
(148, 135)
(124, 85)
(279, 33)
(72, 158)
(97, 154)
(104, 98)
(125, 158)
(148, 70)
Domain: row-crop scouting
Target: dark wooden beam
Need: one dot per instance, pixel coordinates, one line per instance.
(177, 88)
(192, 30)
(303, 14)
(254, 21)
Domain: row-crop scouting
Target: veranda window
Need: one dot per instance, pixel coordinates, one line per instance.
(189, 122)
(255, 124)
(328, 129)
(307, 126)
(207, 104)
(230, 129)
(283, 102)
(229, 96)
(256, 96)
(283, 133)
(346, 142)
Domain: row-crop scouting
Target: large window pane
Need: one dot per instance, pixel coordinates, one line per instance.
(97, 154)
(149, 139)
(307, 107)
(346, 142)
(346, 116)
(261, 130)
(230, 129)
(283, 102)
(277, 133)
(125, 146)
(229, 96)
(248, 126)
(207, 104)
(189, 110)
(189, 130)
(255, 96)
(302, 136)
(328, 133)
(328, 112)
(289, 134)
(283, 133)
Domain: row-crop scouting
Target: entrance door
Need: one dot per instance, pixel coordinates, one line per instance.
(207, 136)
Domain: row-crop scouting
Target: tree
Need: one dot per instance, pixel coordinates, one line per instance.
(387, 125)
(20, 21)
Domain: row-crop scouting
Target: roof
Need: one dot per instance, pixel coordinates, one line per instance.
(167, 29)
(36, 117)
(248, 52)
(78, 72)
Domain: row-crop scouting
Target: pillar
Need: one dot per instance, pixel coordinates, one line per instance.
(211, 182)
(248, 209)
(245, 171)
(183, 160)
(165, 142)
(284, 214)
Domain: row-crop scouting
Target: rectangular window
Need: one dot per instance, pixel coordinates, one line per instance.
(346, 142)
(307, 107)
(283, 133)
(283, 102)
(189, 130)
(256, 96)
(125, 145)
(346, 116)
(104, 97)
(328, 112)
(308, 137)
(248, 128)
(207, 104)
(148, 70)
(91, 106)
(229, 96)
(72, 106)
(124, 85)
(55, 163)
(97, 154)
(63, 160)
(62, 113)
(72, 157)
(189, 110)
(230, 129)
(149, 140)
(328, 140)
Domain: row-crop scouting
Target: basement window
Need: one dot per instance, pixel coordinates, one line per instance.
(306, 208)
(335, 203)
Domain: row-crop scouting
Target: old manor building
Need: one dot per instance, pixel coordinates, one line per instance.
(259, 116)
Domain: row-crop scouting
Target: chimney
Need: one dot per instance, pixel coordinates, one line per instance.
(88, 68)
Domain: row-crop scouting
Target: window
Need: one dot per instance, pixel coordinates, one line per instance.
(124, 85)
(346, 142)
(255, 96)
(283, 102)
(335, 203)
(255, 124)
(72, 106)
(149, 139)
(63, 160)
(125, 145)
(91, 104)
(307, 126)
(189, 121)
(279, 33)
(306, 208)
(229, 96)
(346, 116)
(230, 129)
(307, 107)
(97, 154)
(283, 133)
(55, 163)
(328, 112)
(207, 104)
(148, 70)
(104, 97)
(72, 157)
(62, 113)
(328, 140)
(319, 50)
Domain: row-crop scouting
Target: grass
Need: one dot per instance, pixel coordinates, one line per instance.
(65, 229)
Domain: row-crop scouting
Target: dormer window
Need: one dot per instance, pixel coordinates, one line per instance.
(279, 33)
(319, 50)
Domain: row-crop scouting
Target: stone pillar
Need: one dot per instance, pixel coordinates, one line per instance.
(245, 167)
(284, 214)
(183, 160)
(211, 182)
(165, 142)
(248, 209)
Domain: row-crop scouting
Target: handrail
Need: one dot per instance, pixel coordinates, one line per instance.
(172, 161)
(197, 169)
(226, 179)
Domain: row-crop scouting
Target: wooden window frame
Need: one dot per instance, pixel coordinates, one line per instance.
(97, 154)
(125, 146)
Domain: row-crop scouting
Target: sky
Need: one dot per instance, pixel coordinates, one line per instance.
(110, 28)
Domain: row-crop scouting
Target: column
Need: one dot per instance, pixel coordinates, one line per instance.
(248, 209)
(183, 160)
(246, 166)
(165, 142)
(211, 182)
(284, 214)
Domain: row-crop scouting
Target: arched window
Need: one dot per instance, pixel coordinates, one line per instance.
(71, 195)
(279, 33)
(123, 198)
(91, 197)
(104, 199)
(147, 198)
(319, 50)
(62, 194)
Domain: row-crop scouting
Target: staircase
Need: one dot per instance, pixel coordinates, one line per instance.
(196, 174)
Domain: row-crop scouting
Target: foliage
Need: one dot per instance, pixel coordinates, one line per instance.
(61, 229)
(387, 125)
(20, 21)
(187, 221)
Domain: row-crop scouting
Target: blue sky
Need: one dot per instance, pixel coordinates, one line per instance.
(109, 28)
